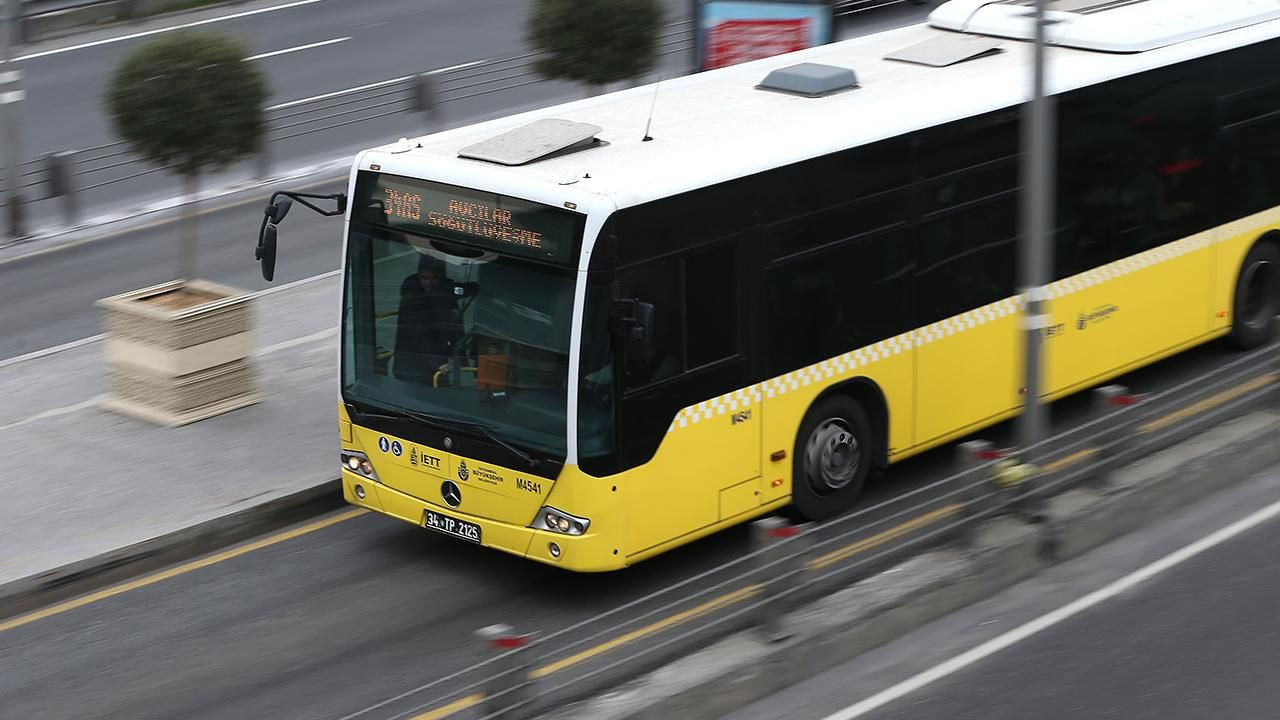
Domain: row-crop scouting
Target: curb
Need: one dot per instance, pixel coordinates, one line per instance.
(46, 588)
(743, 667)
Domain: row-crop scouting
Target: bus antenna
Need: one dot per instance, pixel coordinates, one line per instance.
(649, 122)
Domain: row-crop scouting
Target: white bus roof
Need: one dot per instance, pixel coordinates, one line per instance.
(716, 126)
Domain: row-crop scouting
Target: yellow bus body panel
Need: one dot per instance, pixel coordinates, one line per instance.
(718, 464)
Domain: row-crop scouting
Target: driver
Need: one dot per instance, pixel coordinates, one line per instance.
(428, 322)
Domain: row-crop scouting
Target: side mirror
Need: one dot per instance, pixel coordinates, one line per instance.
(276, 211)
(266, 252)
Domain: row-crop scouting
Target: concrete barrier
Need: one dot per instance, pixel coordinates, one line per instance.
(744, 667)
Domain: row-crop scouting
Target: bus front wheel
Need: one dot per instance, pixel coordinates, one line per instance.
(833, 457)
(1257, 298)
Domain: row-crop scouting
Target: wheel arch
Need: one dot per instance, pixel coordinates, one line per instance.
(867, 393)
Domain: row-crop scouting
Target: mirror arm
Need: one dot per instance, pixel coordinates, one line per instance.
(300, 197)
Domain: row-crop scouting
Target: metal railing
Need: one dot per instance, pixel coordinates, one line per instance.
(65, 175)
(789, 565)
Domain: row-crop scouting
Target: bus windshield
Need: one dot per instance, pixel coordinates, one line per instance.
(460, 334)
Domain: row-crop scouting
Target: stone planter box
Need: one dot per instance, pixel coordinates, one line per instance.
(178, 352)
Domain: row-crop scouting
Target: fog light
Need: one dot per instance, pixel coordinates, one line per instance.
(555, 550)
(360, 491)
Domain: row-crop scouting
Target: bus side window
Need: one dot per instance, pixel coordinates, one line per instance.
(659, 283)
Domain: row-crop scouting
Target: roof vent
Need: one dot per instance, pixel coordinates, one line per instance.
(539, 140)
(944, 50)
(810, 80)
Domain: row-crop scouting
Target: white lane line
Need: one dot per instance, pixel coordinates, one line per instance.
(54, 412)
(274, 53)
(1048, 620)
(370, 86)
(146, 33)
(49, 351)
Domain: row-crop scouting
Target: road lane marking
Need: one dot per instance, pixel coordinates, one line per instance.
(881, 538)
(370, 86)
(1207, 404)
(723, 601)
(182, 569)
(446, 710)
(1072, 459)
(286, 51)
(1048, 620)
(183, 26)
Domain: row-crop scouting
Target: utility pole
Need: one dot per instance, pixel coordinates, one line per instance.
(1037, 222)
(10, 94)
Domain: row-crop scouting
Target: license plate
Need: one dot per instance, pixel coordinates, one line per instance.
(451, 526)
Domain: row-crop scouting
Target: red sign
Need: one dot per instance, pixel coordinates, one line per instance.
(737, 41)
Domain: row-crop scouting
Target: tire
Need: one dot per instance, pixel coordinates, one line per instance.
(833, 458)
(1257, 297)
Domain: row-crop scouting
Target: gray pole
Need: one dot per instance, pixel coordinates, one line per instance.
(10, 93)
(1037, 220)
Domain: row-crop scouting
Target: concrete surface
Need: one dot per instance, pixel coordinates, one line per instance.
(745, 668)
(1197, 641)
(85, 481)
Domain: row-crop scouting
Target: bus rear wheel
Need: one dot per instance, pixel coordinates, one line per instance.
(833, 458)
(1257, 298)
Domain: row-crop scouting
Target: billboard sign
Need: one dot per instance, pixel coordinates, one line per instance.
(737, 31)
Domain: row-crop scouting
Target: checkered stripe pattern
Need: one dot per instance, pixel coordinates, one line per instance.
(851, 363)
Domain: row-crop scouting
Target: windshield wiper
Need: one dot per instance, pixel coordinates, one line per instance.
(444, 424)
(404, 414)
(489, 433)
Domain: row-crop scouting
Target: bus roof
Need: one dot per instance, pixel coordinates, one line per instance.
(716, 126)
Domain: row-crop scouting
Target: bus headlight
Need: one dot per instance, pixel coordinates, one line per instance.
(558, 521)
(359, 464)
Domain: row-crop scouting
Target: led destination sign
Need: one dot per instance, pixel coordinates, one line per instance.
(494, 222)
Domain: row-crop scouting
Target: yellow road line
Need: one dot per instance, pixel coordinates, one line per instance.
(721, 602)
(1206, 404)
(453, 707)
(1070, 460)
(892, 533)
(146, 580)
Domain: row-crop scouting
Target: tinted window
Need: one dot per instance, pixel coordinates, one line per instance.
(711, 306)
(1135, 165)
(967, 236)
(695, 300)
(833, 180)
(660, 283)
(846, 297)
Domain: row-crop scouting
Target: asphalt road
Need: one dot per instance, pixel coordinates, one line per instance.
(334, 621)
(311, 49)
(50, 296)
(1197, 641)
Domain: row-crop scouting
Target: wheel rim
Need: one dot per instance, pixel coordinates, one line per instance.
(832, 456)
(1259, 294)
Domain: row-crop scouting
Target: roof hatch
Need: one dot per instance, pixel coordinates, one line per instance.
(810, 80)
(1105, 25)
(539, 140)
(944, 50)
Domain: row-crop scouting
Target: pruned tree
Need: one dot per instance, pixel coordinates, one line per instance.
(188, 101)
(595, 41)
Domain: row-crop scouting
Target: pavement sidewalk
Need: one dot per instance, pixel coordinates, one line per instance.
(80, 482)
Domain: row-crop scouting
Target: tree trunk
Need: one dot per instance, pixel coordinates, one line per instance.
(187, 250)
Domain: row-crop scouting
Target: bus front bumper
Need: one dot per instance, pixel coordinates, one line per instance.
(591, 552)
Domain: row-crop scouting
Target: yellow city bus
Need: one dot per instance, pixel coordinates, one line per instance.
(591, 333)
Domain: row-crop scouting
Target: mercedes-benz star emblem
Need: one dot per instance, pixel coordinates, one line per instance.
(448, 443)
(451, 494)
